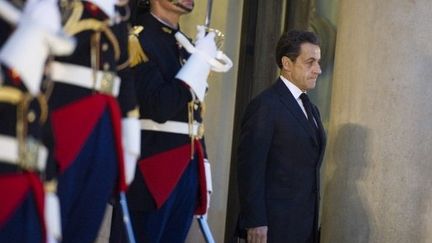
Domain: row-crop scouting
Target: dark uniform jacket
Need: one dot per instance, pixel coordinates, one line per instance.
(279, 157)
(161, 97)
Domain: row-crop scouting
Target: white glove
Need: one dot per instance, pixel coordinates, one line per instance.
(9, 13)
(131, 135)
(208, 177)
(38, 34)
(105, 5)
(196, 70)
(52, 217)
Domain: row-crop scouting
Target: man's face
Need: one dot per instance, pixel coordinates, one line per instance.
(180, 6)
(304, 71)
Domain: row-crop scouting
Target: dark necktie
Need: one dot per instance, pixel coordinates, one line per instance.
(308, 107)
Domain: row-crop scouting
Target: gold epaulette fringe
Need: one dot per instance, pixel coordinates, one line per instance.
(133, 113)
(136, 53)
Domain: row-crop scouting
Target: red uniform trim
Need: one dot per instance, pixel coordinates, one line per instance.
(15, 187)
(73, 124)
(116, 123)
(163, 171)
(201, 208)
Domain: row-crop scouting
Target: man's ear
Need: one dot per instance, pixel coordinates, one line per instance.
(286, 63)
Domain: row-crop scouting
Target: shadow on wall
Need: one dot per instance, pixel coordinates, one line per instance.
(344, 213)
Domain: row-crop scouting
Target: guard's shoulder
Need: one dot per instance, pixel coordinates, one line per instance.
(136, 52)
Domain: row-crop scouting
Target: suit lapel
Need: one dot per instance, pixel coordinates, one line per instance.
(289, 101)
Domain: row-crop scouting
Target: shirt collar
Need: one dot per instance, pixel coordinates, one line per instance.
(295, 91)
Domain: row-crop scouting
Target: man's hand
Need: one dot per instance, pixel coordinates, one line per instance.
(257, 234)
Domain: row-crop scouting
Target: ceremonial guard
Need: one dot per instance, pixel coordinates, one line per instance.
(87, 120)
(170, 184)
(29, 210)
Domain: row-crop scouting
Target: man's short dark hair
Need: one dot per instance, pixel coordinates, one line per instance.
(290, 42)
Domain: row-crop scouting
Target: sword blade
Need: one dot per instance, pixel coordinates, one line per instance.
(205, 229)
(208, 13)
(126, 218)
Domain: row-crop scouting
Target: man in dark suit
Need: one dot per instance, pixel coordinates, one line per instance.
(281, 149)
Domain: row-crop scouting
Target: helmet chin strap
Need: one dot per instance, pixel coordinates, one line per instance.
(180, 5)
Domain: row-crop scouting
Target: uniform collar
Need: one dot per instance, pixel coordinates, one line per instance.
(166, 27)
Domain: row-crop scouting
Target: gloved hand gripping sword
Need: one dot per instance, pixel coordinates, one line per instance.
(220, 63)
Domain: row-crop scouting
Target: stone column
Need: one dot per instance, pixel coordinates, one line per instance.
(377, 180)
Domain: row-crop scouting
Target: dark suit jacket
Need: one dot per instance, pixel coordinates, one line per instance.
(279, 157)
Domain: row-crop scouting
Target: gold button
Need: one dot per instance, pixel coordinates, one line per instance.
(31, 116)
(106, 66)
(105, 47)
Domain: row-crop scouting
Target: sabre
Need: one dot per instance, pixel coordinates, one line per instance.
(208, 14)
(126, 218)
(205, 229)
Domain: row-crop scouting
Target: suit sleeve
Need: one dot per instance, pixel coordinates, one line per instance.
(255, 141)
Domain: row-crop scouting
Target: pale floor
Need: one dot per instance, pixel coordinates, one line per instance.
(104, 231)
(103, 237)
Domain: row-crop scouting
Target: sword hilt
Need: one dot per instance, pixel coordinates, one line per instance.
(221, 63)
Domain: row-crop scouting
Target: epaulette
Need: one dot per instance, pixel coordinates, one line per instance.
(75, 25)
(136, 53)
